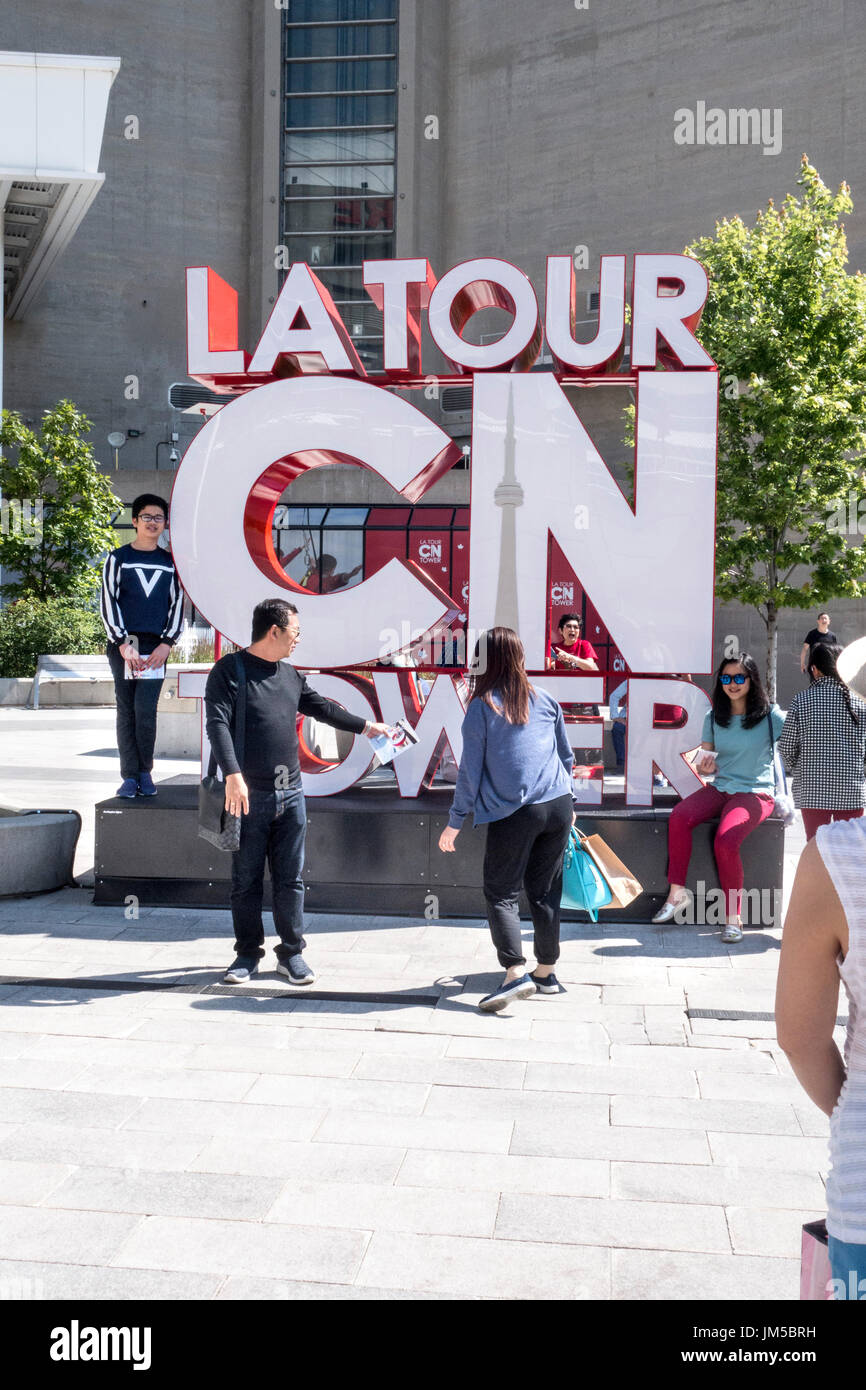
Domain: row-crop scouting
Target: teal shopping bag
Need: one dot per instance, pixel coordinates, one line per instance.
(582, 885)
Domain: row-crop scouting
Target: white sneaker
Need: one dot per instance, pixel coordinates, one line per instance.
(733, 932)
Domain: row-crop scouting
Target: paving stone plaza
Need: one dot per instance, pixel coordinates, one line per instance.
(456, 344)
(163, 1136)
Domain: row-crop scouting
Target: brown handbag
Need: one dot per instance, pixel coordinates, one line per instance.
(624, 887)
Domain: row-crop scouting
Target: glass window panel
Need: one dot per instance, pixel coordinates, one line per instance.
(337, 250)
(345, 552)
(335, 41)
(304, 516)
(372, 358)
(320, 11)
(341, 110)
(344, 284)
(327, 146)
(361, 320)
(309, 567)
(340, 214)
(294, 550)
(357, 75)
(345, 516)
(312, 180)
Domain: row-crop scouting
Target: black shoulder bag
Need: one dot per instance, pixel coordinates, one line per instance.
(215, 823)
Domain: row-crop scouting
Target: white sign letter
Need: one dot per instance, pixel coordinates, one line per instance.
(533, 463)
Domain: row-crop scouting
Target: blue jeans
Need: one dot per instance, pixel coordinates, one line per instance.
(617, 733)
(273, 832)
(848, 1264)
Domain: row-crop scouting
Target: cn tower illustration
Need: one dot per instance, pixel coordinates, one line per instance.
(508, 496)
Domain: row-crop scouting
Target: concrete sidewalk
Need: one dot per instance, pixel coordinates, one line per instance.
(66, 759)
(164, 1136)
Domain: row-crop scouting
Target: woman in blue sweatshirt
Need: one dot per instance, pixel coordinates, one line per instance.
(515, 778)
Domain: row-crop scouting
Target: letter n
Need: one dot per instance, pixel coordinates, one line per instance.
(533, 463)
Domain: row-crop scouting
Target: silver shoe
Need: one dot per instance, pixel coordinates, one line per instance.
(733, 932)
(668, 910)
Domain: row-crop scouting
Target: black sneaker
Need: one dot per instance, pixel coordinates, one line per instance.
(240, 970)
(548, 984)
(523, 988)
(296, 970)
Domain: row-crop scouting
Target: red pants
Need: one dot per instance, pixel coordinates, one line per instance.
(812, 819)
(738, 814)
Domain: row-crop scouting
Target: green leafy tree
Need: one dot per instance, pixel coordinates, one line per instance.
(55, 506)
(32, 627)
(786, 323)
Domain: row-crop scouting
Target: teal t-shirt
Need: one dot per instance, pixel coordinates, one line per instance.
(744, 756)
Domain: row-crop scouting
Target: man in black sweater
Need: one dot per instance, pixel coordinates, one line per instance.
(264, 788)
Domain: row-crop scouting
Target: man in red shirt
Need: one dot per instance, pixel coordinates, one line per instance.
(571, 653)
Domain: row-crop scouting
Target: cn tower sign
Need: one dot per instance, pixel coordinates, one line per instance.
(304, 400)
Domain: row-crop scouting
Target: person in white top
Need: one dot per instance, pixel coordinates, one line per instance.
(824, 939)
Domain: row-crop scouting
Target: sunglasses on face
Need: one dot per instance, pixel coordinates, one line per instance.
(738, 680)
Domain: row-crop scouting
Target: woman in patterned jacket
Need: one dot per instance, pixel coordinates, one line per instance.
(823, 745)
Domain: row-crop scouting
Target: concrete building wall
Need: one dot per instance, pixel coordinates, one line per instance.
(558, 132)
(555, 131)
(558, 123)
(179, 195)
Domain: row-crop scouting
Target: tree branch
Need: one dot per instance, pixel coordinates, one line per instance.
(796, 490)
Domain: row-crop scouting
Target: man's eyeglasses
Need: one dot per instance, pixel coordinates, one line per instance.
(738, 680)
(150, 516)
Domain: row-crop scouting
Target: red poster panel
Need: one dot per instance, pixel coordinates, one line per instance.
(617, 669)
(567, 595)
(595, 632)
(430, 550)
(380, 547)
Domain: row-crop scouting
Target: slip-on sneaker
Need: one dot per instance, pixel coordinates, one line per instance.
(668, 911)
(240, 970)
(547, 984)
(296, 970)
(523, 988)
(733, 932)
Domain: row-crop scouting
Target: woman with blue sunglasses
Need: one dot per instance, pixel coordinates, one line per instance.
(739, 735)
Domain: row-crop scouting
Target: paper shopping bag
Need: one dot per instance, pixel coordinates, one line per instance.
(624, 887)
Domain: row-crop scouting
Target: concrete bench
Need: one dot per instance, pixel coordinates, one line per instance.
(37, 850)
(51, 669)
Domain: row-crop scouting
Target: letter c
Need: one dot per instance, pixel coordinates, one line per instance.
(234, 474)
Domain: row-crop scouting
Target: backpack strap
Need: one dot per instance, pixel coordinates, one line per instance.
(240, 716)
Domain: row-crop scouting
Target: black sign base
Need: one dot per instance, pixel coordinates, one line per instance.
(370, 852)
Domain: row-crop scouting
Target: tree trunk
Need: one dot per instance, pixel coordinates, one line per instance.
(772, 622)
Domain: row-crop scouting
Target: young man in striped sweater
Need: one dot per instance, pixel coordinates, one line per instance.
(142, 609)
